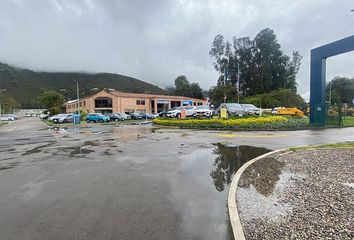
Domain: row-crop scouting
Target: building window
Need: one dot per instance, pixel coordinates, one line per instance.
(84, 103)
(103, 102)
(80, 104)
(140, 102)
(200, 103)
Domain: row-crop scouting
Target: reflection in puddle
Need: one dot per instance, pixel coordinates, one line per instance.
(9, 166)
(230, 158)
(263, 175)
(78, 151)
(199, 188)
(37, 149)
(258, 190)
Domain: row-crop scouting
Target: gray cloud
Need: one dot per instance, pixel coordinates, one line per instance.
(159, 39)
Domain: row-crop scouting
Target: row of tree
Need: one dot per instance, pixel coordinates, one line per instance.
(250, 67)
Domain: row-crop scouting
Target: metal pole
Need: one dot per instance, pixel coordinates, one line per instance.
(238, 83)
(330, 93)
(78, 97)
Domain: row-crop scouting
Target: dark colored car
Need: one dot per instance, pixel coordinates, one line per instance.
(163, 113)
(113, 117)
(147, 116)
(233, 109)
(135, 116)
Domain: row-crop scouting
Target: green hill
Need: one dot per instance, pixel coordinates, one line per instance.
(25, 85)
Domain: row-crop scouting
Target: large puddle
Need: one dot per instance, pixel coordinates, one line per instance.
(200, 188)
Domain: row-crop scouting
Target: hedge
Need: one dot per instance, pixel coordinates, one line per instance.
(271, 122)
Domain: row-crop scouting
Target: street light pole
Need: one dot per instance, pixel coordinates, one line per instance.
(78, 97)
(2, 90)
(330, 93)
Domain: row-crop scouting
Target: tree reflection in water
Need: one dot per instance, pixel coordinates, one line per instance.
(229, 159)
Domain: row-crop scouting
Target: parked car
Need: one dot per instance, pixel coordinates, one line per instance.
(164, 112)
(124, 116)
(233, 109)
(251, 109)
(51, 117)
(63, 118)
(204, 111)
(136, 116)
(12, 115)
(114, 117)
(148, 116)
(96, 117)
(190, 112)
(6, 118)
(43, 116)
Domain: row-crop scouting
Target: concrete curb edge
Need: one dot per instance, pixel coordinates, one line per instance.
(231, 201)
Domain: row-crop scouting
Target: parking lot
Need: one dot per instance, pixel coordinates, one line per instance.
(126, 182)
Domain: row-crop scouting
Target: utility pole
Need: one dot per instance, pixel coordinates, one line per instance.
(238, 83)
(78, 97)
(225, 76)
(330, 93)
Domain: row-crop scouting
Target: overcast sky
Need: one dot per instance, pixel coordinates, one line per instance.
(157, 40)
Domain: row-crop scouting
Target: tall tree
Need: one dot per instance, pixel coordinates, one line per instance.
(196, 91)
(182, 86)
(52, 100)
(342, 90)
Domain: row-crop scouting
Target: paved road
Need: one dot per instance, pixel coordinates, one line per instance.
(128, 182)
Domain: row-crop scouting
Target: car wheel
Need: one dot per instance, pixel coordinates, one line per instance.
(116, 119)
(178, 116)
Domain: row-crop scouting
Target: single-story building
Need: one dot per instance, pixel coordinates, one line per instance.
(112, 102)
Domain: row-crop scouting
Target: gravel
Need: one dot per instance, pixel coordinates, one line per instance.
(305, 194)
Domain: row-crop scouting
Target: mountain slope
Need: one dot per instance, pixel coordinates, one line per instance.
(25, 85)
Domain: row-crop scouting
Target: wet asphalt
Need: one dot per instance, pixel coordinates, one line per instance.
(127, 182)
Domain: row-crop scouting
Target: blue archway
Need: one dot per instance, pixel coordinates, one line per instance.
(318, 76)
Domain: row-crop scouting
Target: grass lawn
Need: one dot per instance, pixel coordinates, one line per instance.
(334, 145)
(348, 121)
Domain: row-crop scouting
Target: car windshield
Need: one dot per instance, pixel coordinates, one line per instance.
(234, 105)
(248, 106)
(60, 115)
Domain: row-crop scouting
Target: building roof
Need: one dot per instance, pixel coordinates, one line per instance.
(139, 95)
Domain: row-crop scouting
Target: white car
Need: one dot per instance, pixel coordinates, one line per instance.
(7, 118)
(176, 112)
(204, 111)
(63, 118)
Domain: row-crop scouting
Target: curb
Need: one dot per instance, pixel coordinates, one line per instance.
(231, 201)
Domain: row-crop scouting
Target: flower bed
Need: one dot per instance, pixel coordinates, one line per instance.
(271, 122)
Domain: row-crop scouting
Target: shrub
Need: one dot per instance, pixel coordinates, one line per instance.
(271, 122)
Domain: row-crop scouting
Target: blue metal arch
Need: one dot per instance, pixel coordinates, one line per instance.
(318, 74)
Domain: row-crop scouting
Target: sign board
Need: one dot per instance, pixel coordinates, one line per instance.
(163, 101)
(187, 102)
